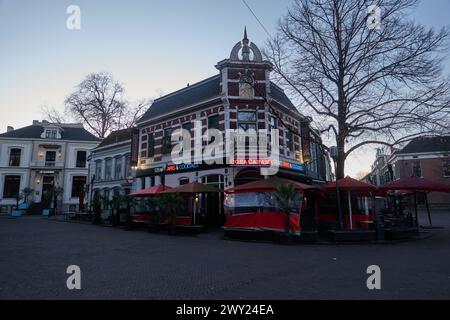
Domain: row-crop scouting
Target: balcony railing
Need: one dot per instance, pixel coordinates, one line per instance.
(47, 164)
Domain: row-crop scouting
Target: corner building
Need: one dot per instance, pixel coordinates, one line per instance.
(241, 96)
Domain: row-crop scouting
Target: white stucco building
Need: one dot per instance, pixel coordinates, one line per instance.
(109, 166)
(42, 156)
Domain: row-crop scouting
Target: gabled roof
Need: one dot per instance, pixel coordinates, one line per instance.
(278, 94)
(69, 133)
(427, 144)
(116, 137)
(202, 91)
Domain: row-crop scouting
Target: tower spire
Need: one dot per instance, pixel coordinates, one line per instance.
(245, 47)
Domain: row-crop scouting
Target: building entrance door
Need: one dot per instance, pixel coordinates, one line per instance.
(212, 203)
(47, 185)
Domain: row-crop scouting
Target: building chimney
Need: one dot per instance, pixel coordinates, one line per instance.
(9, 129)
(35, 122)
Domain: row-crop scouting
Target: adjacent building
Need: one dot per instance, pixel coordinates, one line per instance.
(381, 170)
(109, 166)
(43, 156)
(427, 157)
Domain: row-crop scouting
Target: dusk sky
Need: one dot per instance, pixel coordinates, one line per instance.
(152, 47)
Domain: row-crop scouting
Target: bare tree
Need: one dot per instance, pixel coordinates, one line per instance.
(99, 103)
(53, 115)
(365, 83)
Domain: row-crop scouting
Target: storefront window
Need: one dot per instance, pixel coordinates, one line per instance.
(78, 184)
(256, 202)
(12, 187)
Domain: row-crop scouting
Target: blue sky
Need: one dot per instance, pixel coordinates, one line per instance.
(151, 46)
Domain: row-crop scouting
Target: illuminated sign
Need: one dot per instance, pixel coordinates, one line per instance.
(292, 166)
(181, 167)
(250, 162)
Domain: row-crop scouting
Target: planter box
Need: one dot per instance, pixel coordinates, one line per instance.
(351, 235)
(16, 213)
(308, 236)
(189, 229)
(246, 234)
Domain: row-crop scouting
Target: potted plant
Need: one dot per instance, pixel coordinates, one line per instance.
(53, 194)
(116, 205)
(25, 194)
(153, 205)
(127, 201)
(286, 197)
(17, 212)
(171, 204)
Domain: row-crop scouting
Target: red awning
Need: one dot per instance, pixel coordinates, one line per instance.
(417, 184)
(270, 184)
(150, 191)
(350, 184)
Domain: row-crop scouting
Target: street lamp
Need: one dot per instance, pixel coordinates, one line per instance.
(334, 156)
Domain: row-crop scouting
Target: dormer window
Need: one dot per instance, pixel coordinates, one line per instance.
(51, 134)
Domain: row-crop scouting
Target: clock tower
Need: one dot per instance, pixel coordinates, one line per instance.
(245, 82)
(245, 75)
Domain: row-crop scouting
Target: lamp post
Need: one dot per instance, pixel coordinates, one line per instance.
(334, 156)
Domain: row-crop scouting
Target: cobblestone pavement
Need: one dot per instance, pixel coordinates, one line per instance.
(116, 264)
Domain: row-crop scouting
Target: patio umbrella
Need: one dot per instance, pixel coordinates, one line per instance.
(150, 191)
(417, 184)
(351, 186)
(271, 184)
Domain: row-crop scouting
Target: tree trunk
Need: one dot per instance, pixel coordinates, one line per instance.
(288, 222)
(340, 170)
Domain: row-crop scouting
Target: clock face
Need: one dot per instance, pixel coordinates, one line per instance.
(246, 87)
(246, 79)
